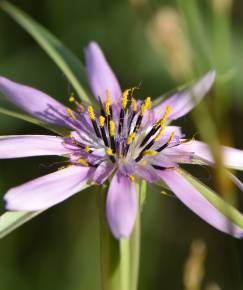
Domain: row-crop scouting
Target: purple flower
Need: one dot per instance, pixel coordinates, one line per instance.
(125, 140)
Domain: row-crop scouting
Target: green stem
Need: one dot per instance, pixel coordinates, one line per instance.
(135, 255)
(109, 248)
(119, 259)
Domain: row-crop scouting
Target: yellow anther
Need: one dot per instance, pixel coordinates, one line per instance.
(125, 98)
(72, 99)
(165, 117)
(112, 127)
(109, 151)
(71, 114)
(147, 105)
(171, 137)
(102, 121)
(150, 152)
(160, 133)
(134, 105)
(108, 104)
(87, 148)
(130, 138)
(131, 177)
(91, 113)
(82, 162)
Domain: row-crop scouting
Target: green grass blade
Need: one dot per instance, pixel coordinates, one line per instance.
(56, 129)
(197, 33)
(63, 57)
(10, 221)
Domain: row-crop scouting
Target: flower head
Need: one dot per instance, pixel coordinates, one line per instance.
(122, 141)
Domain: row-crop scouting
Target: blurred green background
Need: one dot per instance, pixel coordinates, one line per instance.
(161, 44)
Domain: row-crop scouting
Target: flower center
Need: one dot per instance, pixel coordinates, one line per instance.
(123, 130)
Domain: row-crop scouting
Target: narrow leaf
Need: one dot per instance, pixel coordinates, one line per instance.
(62, 56)
(9, 221)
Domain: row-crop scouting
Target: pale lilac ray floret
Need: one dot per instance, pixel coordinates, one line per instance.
(123, 141)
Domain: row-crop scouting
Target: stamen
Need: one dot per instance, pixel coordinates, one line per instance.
(102, 121)
(165, 117)
(134, 105)
(150, 134)
(71, 114)
(167, 143)
(112, 128)
(87, 149)
(125, 98)
(79, 106)
(93, 120)
(147, 105)
(91, 113)
(171, 137)
(132, 178)
(131, 138)
(150, 152)
(109, 151)
(149, 145)
(108, 104)
(121, 120)
(160, 133)
(72, 98)
(156, 127)
(82, 162)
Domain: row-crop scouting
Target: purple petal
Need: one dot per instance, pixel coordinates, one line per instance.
(198, 203)
(184, 101)
(233, 158)
(34, 102)
(147, 173)
(31, 145)
(121, 206)
(102, 172)
(100, 75)
(47, 190)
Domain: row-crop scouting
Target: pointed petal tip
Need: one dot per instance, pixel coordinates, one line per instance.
(210, 77)
(100, 75)
(199, 204)
(48, 190)
(92, 45)
(34, 102)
